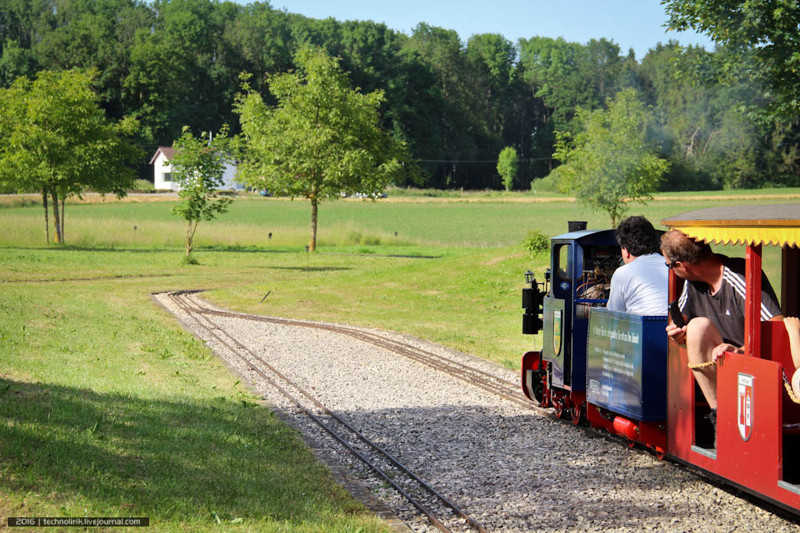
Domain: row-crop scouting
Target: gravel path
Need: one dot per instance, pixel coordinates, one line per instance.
(508, 467)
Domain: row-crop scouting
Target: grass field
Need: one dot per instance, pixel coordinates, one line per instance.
(109, 408)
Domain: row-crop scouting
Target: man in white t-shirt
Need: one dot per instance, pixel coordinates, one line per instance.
(640, 285)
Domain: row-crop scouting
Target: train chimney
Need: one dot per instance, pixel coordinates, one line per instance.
(576, 225)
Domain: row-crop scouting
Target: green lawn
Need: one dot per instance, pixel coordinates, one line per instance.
(486, 221)
(109, 408)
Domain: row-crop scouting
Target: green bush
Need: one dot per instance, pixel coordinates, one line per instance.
(536, 243)
(547, 184)
(143, 186)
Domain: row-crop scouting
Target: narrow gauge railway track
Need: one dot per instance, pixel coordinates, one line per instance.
(198, 311)
(503, 388)
(417, 492)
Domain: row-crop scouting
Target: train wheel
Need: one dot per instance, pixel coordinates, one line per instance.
(546, 400)
(578, 414)
(559, 406)
(631, 443)
(558, 409)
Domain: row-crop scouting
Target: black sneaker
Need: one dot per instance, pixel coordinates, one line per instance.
(712, 417)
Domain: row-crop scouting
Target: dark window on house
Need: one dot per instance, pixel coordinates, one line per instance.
(167, 177)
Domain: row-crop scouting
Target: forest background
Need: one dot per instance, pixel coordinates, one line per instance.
(456, 105)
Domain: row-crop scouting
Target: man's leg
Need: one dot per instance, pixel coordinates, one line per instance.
(792, 324)
(793, 329)
(701, 338)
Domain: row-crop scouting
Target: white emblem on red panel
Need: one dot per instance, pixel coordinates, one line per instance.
(744, 413)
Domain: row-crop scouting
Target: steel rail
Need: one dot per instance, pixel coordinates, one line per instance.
(194, 309)
(475, 377)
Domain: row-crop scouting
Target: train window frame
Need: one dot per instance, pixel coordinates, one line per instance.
(563, 255)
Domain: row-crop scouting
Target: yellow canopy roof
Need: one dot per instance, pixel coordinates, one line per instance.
(777, 224)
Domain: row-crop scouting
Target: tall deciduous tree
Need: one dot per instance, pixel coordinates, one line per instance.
(199, 168)
(769, 30)
(454, 115)
(323, 138)
(507, 166)
(610, 161)
(56, 139)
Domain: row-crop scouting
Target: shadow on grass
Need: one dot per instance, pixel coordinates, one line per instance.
(175, 461)
(203, 249)
(308, 268)
(149, 250)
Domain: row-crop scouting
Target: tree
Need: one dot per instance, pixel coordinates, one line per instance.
(323, 138)
(764, 29)
(507, 166)
(182, 70)
(57, 140)
(558, 72)
(199, 167)
(491, 58)
(610, 161)
(562, 77)
(455, 118)
(710, 138)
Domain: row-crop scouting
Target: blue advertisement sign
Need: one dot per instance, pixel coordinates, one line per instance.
(625, 350)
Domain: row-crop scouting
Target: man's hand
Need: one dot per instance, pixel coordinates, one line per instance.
(677, 334)
(720, 350)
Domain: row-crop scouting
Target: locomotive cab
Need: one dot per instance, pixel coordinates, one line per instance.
(582, 263)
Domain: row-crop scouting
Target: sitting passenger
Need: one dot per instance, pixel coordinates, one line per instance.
(712, 303)
(640, 285)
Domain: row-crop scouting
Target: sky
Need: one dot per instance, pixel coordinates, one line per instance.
(637, 24)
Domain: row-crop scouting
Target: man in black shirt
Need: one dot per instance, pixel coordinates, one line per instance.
(713, 304)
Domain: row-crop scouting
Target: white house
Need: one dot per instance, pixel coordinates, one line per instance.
(162, 172)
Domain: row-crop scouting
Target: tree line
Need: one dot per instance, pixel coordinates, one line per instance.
(456, 105)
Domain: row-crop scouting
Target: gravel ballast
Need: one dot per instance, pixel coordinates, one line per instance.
(509, 467)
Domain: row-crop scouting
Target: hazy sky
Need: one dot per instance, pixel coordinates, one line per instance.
(637, 24)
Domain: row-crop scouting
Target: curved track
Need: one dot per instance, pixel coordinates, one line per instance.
(478, 378)
(442, 513)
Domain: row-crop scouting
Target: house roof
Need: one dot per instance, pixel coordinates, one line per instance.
(168, 151)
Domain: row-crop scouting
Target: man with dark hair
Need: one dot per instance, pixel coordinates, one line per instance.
(712, 304)
(640, 285)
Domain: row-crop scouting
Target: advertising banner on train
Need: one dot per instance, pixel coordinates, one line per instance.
(620, 352)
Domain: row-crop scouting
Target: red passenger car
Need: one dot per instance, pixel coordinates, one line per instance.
(758, 423)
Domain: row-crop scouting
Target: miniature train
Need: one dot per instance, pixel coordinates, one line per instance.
(618, 372)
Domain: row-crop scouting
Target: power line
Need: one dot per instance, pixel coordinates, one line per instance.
(478, 160)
